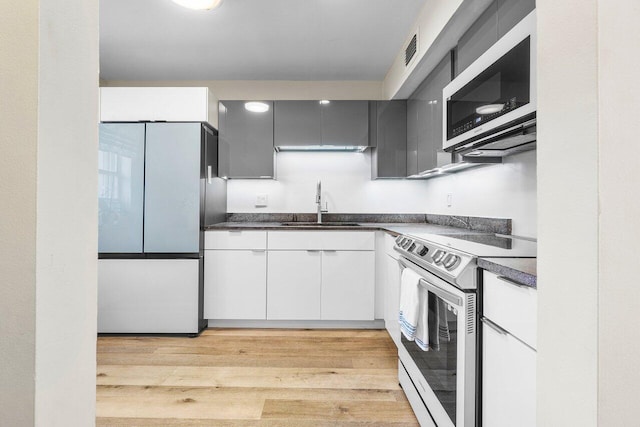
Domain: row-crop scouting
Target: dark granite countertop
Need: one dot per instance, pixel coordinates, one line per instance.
(520, 270)
(393, 223)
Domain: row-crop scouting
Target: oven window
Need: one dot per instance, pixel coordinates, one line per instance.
(502, 87)
(438, 365)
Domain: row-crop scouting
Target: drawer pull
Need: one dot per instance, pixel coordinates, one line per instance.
(493, 326)
(512, 282)
(258, 250)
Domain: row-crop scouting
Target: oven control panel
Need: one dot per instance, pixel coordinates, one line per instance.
(443, 259)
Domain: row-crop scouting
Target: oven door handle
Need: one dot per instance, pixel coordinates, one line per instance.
(445, 295)
(442, 293)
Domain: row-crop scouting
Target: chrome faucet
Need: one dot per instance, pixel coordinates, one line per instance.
(319, 202)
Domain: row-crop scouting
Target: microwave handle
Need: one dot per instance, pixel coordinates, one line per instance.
(442, 293)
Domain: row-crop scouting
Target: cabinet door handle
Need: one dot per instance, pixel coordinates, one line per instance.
(313, 250)
(330, 250)
(258, 250)
(493, 326)
(512, 282)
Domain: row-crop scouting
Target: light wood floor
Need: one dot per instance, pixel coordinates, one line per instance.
(241, 377)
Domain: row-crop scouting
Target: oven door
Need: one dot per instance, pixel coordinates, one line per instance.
(444, 375)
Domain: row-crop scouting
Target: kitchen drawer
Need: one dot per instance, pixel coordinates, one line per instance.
(322, 240)
(510, 306)
(235, 239)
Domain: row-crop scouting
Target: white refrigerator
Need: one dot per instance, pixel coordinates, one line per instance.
(158, 189)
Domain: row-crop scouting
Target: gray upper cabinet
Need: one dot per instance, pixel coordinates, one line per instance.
(510, 12)
(246, 141)
(309, 123)
(345, 123)
(388, 138)
(478, 38)
(297, 123)
(424, 122)
(500, 17)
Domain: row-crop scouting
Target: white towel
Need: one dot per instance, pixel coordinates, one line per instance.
(422, 331)
(409, 303)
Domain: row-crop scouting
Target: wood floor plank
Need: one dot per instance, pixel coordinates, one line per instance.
(387, 412)
(190, 359)
(162, 393)
(187, 376)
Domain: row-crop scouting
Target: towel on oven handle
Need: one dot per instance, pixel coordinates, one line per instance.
(409, 303)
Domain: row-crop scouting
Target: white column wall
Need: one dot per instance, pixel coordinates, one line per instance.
(619, 232)
(18, 148)
(588, 210)
(48, 227)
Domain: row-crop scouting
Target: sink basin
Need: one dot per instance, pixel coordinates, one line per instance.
(322, 224)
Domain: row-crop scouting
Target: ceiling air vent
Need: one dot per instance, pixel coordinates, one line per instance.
(411, 50)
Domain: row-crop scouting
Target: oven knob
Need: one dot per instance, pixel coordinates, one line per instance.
(407, 243)
(438, 256)
(412, 247)
(421, 250)
(451, 262)
(399, 239)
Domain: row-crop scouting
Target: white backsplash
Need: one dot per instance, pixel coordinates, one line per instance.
(502, 191)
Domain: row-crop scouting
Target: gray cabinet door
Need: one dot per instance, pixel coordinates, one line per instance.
(172, 188)
(297, 123)
(412, 136)
(424, 121)
(478, 38)
(510, 12)
(246, 141)
(345, 123)
(430, 138)
(121, 187)
(389, 157)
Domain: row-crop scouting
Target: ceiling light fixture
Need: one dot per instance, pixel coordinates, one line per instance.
(199, 4)
(256, 107)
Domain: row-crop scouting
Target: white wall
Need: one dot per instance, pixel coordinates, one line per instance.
(504, 191)
(48, 182)
(273, 89)
(588, 209)
(433, 17)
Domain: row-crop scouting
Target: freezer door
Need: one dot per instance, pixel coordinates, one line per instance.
(120, 187)
(172, 188)
(148, 295)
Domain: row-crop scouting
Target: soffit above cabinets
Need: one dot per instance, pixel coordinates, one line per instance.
(253, 39)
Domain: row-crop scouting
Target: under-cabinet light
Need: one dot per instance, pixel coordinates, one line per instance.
(199, 4)
(343, 148)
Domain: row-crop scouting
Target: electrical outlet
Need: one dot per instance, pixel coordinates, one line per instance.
(261, 200)
(449, 200)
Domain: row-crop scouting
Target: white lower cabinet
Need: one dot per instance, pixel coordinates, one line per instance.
(508, 353)
(289, 275)
(347, 285)
(235, 284)
(293, 285)
(508, 381)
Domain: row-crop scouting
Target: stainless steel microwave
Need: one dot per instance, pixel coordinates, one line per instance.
(496, 92)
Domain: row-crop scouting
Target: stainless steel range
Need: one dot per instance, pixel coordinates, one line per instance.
(441, 382)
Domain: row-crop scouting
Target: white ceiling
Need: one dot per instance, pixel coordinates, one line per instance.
(253, 39)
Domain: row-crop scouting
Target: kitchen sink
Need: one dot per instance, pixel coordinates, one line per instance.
(321, 224)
